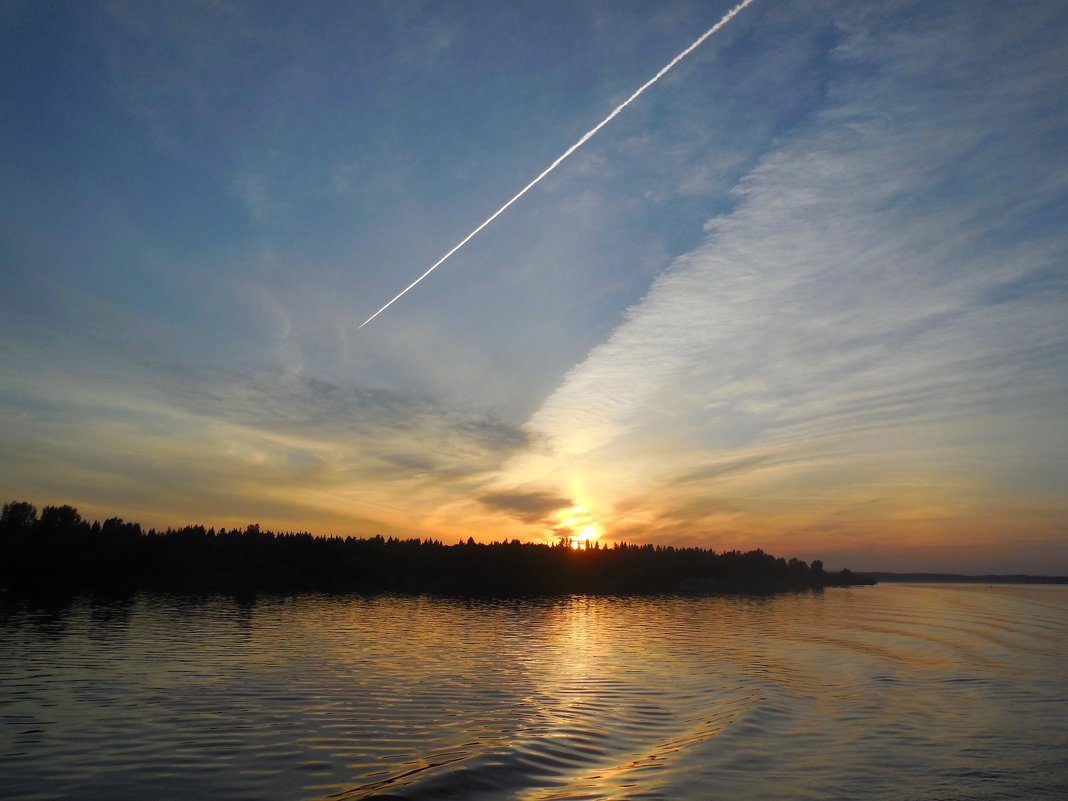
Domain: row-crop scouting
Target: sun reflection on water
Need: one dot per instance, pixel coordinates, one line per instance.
(583, 697)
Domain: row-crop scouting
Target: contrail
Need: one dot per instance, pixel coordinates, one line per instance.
(585, 138)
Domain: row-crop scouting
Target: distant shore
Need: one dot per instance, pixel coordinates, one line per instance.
(960, 578)
(61, 552)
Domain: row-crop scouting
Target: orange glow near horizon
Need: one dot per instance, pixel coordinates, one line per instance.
(584, 537)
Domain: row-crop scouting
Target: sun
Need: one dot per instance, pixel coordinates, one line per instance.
(584, 537)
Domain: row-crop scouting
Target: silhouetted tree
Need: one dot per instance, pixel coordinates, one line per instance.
(62, 551)
(60, 519)
(18, 516)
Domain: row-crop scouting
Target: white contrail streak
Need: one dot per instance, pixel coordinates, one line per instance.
(585, 138)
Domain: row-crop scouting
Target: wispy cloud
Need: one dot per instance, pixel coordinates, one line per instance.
(874, 312)
(530, 507)
(282, 448)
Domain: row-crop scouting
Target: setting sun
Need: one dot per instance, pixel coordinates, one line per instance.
(584, 537)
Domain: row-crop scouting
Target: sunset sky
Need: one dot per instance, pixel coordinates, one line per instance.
(808, 293)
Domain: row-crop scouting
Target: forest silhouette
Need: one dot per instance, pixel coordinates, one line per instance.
(58, 551)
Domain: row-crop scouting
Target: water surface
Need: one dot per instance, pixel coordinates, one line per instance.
(892, 692)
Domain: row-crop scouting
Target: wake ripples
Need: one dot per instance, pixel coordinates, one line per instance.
(892, 692)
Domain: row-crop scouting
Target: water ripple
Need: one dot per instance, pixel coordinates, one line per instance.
(896, 692)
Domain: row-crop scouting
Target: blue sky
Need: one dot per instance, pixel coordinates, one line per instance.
(807, 293)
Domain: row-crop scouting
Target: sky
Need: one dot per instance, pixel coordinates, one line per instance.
(808, 293)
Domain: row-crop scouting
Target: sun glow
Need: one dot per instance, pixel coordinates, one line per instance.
(584, 537)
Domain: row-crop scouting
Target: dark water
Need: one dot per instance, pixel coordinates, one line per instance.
(893, 692)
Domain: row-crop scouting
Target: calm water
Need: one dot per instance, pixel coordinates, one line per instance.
(893, 692)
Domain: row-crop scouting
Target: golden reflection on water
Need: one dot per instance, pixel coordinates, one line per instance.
(891, 692)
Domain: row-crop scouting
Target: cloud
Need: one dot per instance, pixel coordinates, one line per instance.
(849, 342)
(530, 507)
(305, 406)
(289, 450)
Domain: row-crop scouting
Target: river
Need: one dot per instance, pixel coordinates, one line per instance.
(890, 692)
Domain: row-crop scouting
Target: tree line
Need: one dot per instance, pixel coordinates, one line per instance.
(58, 551)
